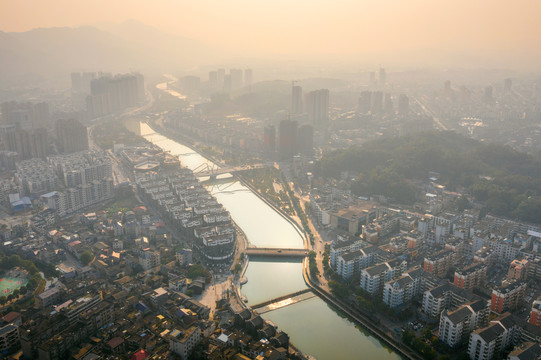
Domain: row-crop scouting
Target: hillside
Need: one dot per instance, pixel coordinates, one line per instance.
(124, 47)
(507, 181)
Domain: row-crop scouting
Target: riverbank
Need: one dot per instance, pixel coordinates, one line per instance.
(357, 317)
(264, 224)
(275, 208)
(161, 130)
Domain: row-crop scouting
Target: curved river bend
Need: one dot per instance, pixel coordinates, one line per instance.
(313, 326)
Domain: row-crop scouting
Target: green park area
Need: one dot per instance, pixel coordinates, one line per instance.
(10, 284)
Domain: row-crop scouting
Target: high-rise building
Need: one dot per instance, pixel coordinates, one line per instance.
(507, 85)
(227, 83)
(488, 95)
(220, 74)
(109, 94)
(403, 105)
(86, 79)
(189, 83)
(213, 79)
(535, 313)
(447, 91)
(248, 77)
(296, 100)
(27, 143)
(382, 77)
(80, 82)
(317, 107)
(389, 106)
(288, 138)
(71, 136)
(269, 140)
(82, 167)
(365, 102)
(76, 81)
(35, 176)
(377, 102)
(372, 79)
(508, 296)
(236, 78)
(305, 139)
(25, 116)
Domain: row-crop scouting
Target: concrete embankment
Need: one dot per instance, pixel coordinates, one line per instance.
(288, 218)
(358, 318)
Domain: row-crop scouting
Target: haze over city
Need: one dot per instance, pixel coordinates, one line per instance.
(420, 33)
(270, 180)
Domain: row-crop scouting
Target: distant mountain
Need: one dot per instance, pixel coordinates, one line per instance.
(118, 48)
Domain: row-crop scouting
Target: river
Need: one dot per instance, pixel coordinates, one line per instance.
(313, 326)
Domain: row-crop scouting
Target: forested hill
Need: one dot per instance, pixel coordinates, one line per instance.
(508, 181)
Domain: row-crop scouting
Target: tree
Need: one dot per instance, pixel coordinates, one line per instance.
(3, 300)
(462, 203)
(238, 268)
(136, 269)
(198, 270)
(86, 257)
(23, 290)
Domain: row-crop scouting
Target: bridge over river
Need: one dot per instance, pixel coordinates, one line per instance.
(276, 252)
(282, 301)
(204, 170)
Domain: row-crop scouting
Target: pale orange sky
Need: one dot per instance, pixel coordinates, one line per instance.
(307, 26)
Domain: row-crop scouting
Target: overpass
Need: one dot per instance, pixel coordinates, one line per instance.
(276, 252)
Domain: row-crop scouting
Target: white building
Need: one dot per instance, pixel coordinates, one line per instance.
(82, 167)
(436, 300)
(339, 247)
(74, 199)
(456, 326)
(351, 263)
(374, 277)
(149, 259)
(35, 176)
(401, 291)
(487, 343)
(56, 201)
(183, 342)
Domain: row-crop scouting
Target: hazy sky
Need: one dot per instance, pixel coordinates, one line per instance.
(307, 26)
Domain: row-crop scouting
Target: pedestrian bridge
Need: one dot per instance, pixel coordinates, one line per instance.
(283, 301)
(276, 252)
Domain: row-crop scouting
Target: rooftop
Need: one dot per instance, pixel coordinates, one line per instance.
(491, 332)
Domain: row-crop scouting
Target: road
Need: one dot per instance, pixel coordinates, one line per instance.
(437, 122)
(319, 242)
(118, 175)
